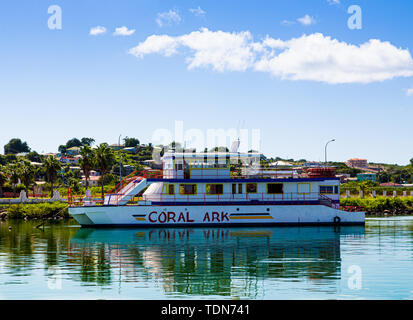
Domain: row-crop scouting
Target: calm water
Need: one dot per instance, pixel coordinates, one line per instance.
(66, 262)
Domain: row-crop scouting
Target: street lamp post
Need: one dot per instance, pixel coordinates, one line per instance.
(120, 164)
(325, 150)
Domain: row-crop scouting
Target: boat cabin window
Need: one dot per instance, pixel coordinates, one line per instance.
(275, 188)
(252, 188)
(171, 189)
(303, 188)
(186, 189)
(234, 188)
(329, 189)
(178, 166)
(214, 188)
(168, 189)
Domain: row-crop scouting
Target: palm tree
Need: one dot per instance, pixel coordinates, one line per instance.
(3, 179)
(87, 162)
(105, 158)
(52, 167)
(27, 172)
(14, 175)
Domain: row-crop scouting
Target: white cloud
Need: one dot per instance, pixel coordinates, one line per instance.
(97, 30)
(333, 1)
(123, 31)
(197, 11)
(163, 44)
(223, 51)
(287, 22)
(313, 57)
(409, 92)
(306, 20)
(168, 18)
(319, 58)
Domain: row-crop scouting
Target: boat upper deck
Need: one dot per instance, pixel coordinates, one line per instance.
(230, 176)
(226, 165)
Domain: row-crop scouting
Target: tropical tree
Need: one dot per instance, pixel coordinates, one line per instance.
(34, 156)
(14, 175)
(27, 172)
(87, 141)
(3, 179)
(131, 142)
(74, 142)
(62, 149)
(52, 167)
(16, 146)
(105, 158)
(72, 180)
(87, 162)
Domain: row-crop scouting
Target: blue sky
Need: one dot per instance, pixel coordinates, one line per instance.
(59, 84)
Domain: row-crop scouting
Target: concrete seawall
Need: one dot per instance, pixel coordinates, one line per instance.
(24, 199)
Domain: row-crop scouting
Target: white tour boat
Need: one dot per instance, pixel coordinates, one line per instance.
(200, 189)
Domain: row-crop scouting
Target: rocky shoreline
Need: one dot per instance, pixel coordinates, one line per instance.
(386, 213)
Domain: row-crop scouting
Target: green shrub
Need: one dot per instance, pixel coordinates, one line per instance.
(380, 204)
(38, 210)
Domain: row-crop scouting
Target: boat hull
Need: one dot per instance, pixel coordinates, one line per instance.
(212, 215)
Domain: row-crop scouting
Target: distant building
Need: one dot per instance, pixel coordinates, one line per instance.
(74, 151)
(130, 149)
(22, 154)
(280, 163)
(390, 184)
(128, 169)
(93, 181)
(358, 163)
(344, 177)
(312, 165)
(48, 154)
(69, 160)
(37, 164)
(94, 173)
(116, 146)
(366, 176)
(152, 164)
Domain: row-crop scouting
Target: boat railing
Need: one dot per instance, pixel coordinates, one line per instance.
(82, 200)
(219, 173)
(204, 198)
(152, 173)
(210, 173)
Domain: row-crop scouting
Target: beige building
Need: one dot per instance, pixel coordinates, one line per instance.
(359, 163)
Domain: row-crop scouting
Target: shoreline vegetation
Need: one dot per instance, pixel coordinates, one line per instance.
(380, 206)
(37, 211)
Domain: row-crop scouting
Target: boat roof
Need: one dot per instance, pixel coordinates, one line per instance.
(202, 155)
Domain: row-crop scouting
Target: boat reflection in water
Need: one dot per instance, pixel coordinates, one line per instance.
(237, 262)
